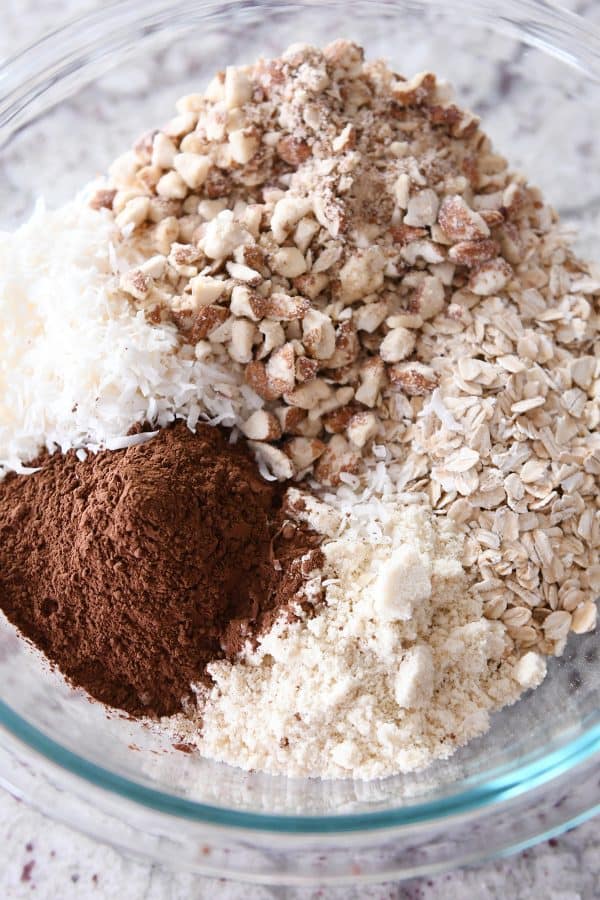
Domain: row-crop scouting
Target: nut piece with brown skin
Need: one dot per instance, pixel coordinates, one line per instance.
(414, 379)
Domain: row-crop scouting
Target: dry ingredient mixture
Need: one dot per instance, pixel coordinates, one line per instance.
(332, 261)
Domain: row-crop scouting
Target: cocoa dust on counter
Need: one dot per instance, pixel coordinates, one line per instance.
(133, 569)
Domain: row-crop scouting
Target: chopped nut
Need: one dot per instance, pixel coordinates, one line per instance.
(163, 151)
(103, 198)
(290, 418)
(154, 266)
(161, 208)
(222, 235)
(149, 176)
(217, 184)
(183, 258)
(165, 234)
(459, 222)
(285, 308)
(306, 368)
(209, 209)
(490, 277)
(172, 186)
(287, 212)
(181, 124)
(238, 87)
(361, 274)
(471, 253)
(513, 197)
(422, 209)
(304, 451)
(288, 262)
(318, 334)
(245, 303)
(336, 421)
(347, 346)
(135, 283)
(363, 426)
(309, 395)
(311, 285)
(404, 234)
(337, 458)
(193, 169)
(370, 316)
(143, 148)
(415, 91)
(511, 243)
(122, 170)
(340, 397)
(190, 103)
(305, 231)
(402, 190)
(492, 217)
(243, 144)
(134, 213)
(414, 378)
(397, 345)
(199, 324)
(426, 250)
(244, 273)
(428, 299)
(292, 150)
(405, 320)
(262, 426)
(372, 378)
(345, 140)
(215, 92)
(195, 142)
(273, 336)
(326, 259)
(255, 375)
(188, 228)
(243, 333)
(281, 369)
(251, 255)
(205, 290)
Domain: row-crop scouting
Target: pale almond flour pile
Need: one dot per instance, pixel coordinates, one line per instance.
(332, 260)
(399, 668)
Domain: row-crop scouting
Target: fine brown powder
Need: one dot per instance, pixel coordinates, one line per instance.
(133, 569)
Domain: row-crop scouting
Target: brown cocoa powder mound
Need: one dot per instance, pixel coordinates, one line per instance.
(133, 569)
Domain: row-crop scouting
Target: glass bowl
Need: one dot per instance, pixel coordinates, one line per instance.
(70, 104)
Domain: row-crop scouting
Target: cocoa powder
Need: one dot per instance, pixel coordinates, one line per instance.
(133, 569)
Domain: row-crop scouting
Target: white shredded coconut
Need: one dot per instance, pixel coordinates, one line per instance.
(78, 365)
(397, 668)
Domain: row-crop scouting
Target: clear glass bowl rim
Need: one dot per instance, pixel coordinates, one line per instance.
(43, 74)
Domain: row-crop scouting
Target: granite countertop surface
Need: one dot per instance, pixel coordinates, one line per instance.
(49, 861)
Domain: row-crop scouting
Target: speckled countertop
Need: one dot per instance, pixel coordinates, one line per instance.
(42, 859)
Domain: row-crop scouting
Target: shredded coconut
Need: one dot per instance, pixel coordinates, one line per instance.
(397, 669)
(78, 366)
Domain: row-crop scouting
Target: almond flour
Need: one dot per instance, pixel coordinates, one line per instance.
(399, 667)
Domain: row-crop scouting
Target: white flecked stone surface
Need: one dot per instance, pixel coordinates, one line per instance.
(41, 859)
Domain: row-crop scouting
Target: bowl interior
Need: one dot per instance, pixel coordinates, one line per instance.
(89, 98)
